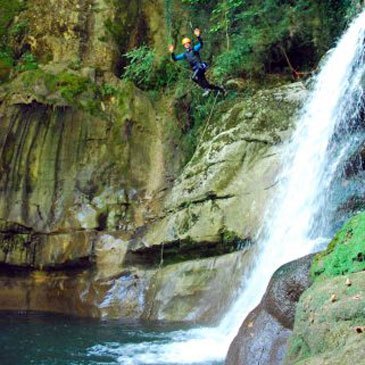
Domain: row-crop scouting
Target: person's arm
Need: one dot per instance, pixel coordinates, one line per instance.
(178, 57)
(198, 46)
(175, 57)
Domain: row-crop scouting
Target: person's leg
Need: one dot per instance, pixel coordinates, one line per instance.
(198, 78)
(207, 85)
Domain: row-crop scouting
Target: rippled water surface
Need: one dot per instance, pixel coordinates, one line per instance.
(44, 339)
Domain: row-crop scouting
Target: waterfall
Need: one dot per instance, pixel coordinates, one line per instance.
(295, 224)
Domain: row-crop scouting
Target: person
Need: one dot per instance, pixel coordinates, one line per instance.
(198, 67)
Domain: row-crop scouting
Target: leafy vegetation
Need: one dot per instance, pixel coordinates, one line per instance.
(346, 253)
(255, 37)
(147, 71)
(8, 10)
(141, 64)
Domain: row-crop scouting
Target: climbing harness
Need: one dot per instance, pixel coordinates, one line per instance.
(202, 67)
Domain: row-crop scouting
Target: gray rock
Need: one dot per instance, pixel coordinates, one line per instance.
(263, 336)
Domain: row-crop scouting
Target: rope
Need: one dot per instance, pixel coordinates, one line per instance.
(209, 118)
(296, 74)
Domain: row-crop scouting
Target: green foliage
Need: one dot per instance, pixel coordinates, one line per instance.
(141, 64)
(346, 252)
(8, 10)
(254, 37)
(223, 18)
(147, 71)
(75, 89)
(267, 30)
(27, 62)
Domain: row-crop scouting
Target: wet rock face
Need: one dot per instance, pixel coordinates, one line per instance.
(285, 289)
(265, 341)
(64, 170)
(194, 291)
(81, 191)
(223, 190)
(69, 31)
(90, 33)
(263, 337)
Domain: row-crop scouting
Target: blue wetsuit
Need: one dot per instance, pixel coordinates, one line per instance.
(192, 55)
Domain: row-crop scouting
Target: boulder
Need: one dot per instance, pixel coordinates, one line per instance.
(224, 188)
(263, 336)
(192, 291)
(330, 323)
(330, 317)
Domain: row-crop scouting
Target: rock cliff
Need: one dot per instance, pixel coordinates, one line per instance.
(100, 202)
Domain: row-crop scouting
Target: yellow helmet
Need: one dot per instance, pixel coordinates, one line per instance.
(186, 40)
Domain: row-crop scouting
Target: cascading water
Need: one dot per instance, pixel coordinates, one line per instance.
(310, 163)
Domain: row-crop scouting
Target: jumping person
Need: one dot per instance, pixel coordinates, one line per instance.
(199, 68)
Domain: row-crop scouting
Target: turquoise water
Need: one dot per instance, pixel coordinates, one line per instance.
(44, 339)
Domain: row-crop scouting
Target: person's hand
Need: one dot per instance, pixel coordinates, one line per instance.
(171, 48)
(197, 32)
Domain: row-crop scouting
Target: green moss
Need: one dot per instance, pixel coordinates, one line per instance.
(324, 329)
(345, 254)
(76, 90)
(68, 84)
(298, 348)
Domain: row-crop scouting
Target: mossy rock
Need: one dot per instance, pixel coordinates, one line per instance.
(329, 323)
(62, 88)
(345, 254)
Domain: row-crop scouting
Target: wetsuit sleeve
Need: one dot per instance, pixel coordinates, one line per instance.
(178, 57)
(199, 46)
